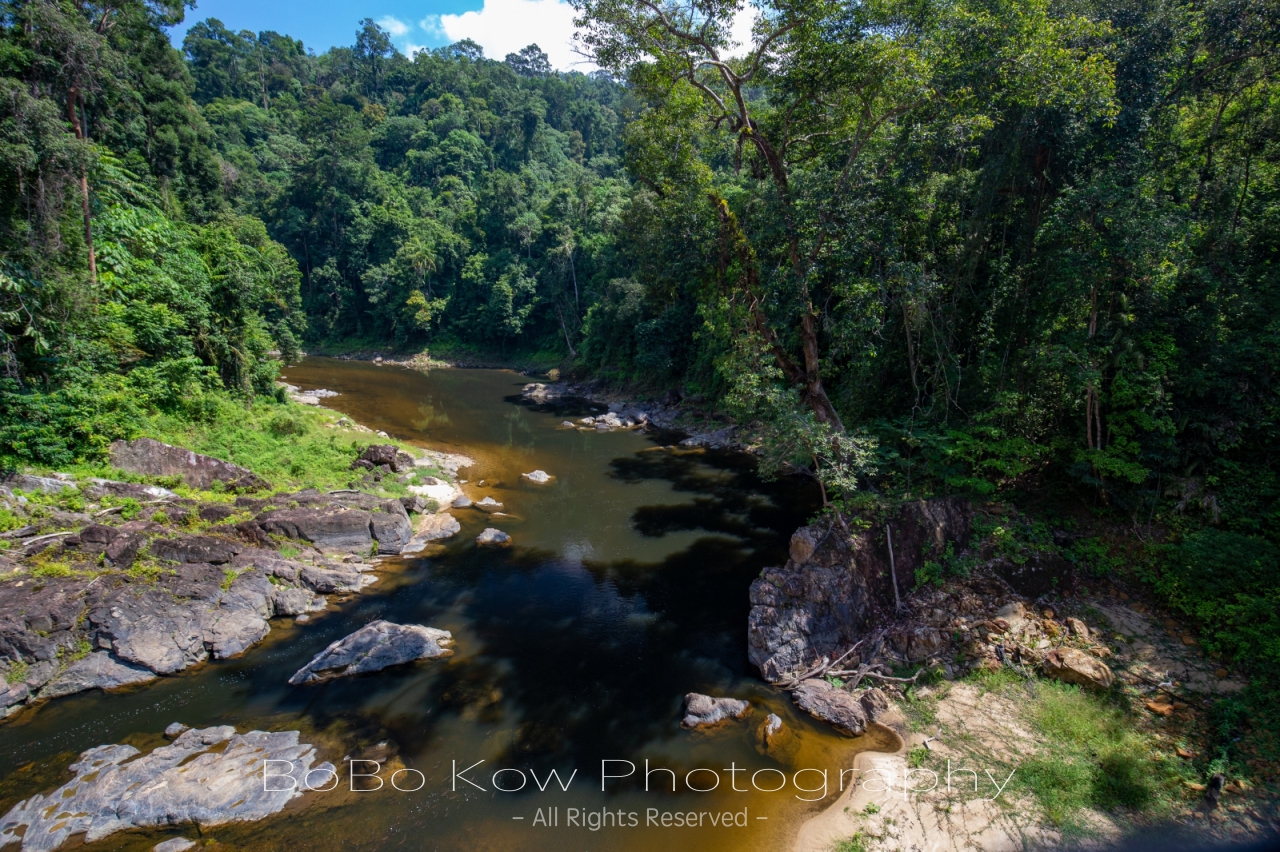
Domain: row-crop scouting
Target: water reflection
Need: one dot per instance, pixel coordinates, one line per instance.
(626, 589)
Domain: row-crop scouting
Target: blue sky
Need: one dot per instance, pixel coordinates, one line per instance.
(499, 26)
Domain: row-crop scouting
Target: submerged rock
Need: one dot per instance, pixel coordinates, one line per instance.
(493, 538)
(175, 844)
(489, 504)
(703, 711)
(431, 528)
(153, 458)
(541, 477)
(374, 647)
(777, 740)
(187, 781)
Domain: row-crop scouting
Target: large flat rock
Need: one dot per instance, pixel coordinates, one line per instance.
(375, 646)
(153, 458)
(209, 777)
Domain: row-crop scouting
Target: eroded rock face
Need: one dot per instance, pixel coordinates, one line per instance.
(187, 781)
(153, 458)
(99, 670)
(703, 711)
(1070, 665)
(823, 599)
(330, 528)
(374, 647)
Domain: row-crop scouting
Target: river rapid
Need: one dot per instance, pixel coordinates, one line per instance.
(625, 588)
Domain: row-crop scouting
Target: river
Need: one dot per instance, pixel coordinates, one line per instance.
(626, 588)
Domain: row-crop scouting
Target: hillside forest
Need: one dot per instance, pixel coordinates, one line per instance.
(1023, 250)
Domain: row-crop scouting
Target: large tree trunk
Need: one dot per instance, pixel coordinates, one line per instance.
(73, 113)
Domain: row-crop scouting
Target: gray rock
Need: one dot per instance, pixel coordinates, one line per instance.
(821, 700)
(541, 477)
(98, 487)
(288, 600)
(195, 548)
(821, 601)
(332, 529)
(12, 695)
(153, 630)
(96, 537)
(175, 730)
(390, 455)
(99, 670)
(374, 647)
(717, 440)
(174, 844)
(436, 527)
(46, 484)
(327, 581)
(186, 781)
(123, 549)
(493, 538)
(152, 458)
(539, 392)
(462, 501)
(391, 527)
(489, 504)
(703, 711)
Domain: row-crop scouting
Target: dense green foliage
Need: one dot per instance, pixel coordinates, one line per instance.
(975, 246)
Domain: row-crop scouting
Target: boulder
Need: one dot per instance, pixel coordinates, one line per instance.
(377, 455)
(216, 512)
(1078, 628)
(436, 527)
(539, 392)
(374, 647)
(703, 711)
(152, 630)
(95, 537)
(489, 504)
(152, 458)
(390, 527)
(1072, 666)
(98, 488)
(327, 581)
(777, 740)
(493, 538)
(45, 484)
(99, 670)
(540, 477)
(332, 528)
(289, 600)
(208, 777)
(123, 549)
(431, 528)
(462, 501)
(175, 730)
(838, 708)
(11, 696)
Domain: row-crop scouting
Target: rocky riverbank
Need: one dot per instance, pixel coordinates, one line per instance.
(109, 584)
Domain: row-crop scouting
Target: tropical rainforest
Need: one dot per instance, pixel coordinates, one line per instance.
(1005, 248)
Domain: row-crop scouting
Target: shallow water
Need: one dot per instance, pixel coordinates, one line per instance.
(625, 589)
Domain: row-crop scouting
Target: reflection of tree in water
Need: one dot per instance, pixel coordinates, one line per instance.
(594, 665)
(429, 415)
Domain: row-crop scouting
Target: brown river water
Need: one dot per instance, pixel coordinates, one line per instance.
(626, 588)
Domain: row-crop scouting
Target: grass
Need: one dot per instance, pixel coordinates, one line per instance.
(1092, 753)
(857, 843)
(17, 672)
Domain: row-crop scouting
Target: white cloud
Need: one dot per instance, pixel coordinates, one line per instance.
(505, 26)
(393, 25)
